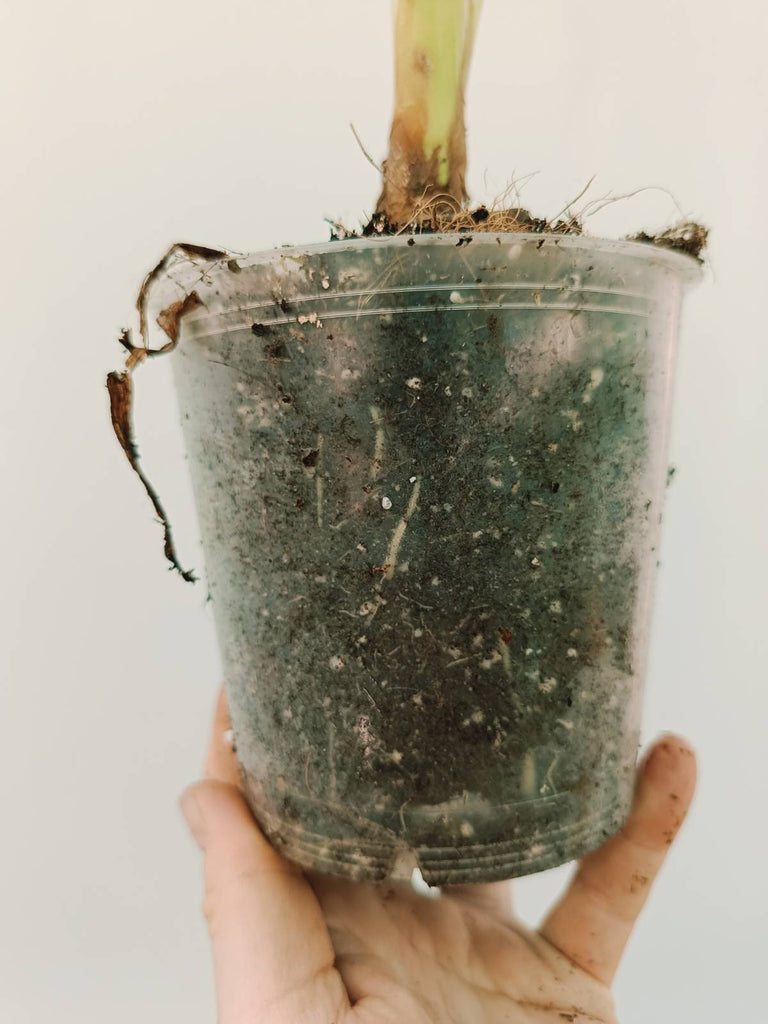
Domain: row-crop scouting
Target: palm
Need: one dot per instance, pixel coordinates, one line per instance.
(294, 947)
(402, 956)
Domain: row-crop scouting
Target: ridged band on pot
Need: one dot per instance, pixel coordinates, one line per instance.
(429, 475)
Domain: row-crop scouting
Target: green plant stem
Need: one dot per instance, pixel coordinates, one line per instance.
(433, 44)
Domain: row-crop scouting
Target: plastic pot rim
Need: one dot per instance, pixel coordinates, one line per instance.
(687, 267)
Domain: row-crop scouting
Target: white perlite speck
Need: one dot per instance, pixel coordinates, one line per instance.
(595, 380)
(386, 502)
(311, 318)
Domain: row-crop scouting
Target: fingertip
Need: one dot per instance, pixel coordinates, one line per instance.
(671, 762)
(666, 783)
(208, 800)
(194, 814)
(219, 799)
(221, 761)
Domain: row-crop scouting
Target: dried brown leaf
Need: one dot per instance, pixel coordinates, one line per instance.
(169, 319)
(119, 386)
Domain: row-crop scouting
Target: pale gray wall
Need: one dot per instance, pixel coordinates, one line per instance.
(128, 126)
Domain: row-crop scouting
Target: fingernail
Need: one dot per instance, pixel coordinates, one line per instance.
(193, 815)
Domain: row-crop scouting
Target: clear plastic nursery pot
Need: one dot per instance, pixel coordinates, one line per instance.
(429, 474)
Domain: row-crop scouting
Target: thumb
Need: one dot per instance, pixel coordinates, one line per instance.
(271, 947)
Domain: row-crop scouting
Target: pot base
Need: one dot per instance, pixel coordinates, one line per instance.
(378, 853)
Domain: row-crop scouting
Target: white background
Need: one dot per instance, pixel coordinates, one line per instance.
(127, 126)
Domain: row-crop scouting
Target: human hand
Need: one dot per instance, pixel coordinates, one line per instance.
(296, 947)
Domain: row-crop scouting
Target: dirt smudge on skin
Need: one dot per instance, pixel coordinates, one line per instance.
(638, 882)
